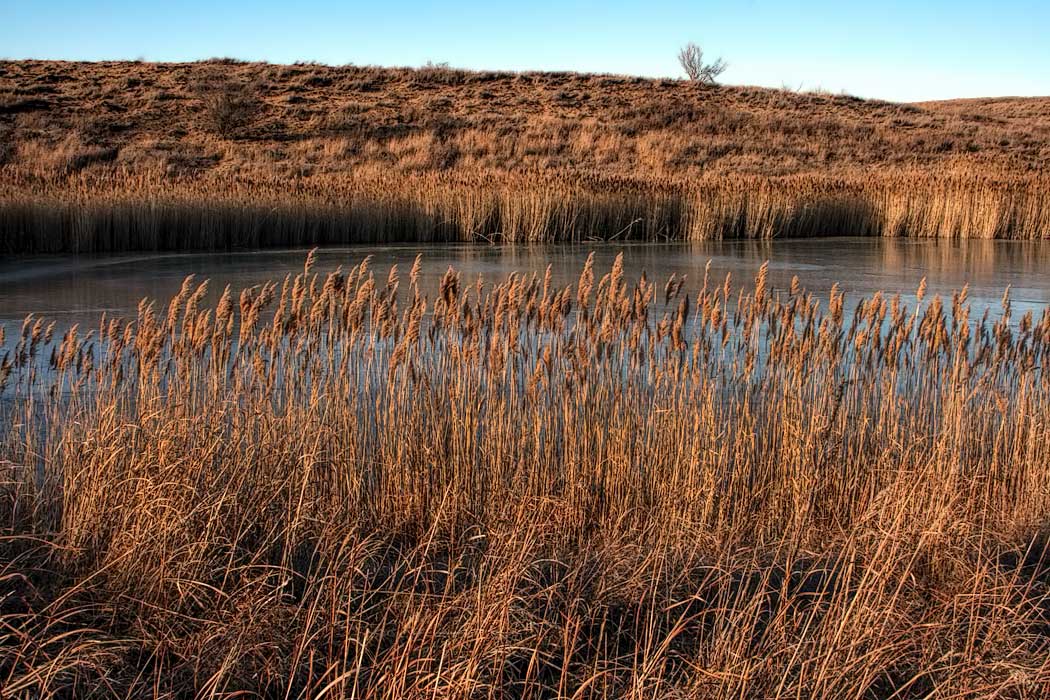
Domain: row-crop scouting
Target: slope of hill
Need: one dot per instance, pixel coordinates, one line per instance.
(221, 153)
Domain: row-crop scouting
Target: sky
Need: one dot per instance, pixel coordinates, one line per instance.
(894, 49)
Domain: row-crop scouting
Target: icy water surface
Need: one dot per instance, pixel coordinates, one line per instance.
(79, 289)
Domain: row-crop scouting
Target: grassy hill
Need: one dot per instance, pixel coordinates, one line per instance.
(123, 155)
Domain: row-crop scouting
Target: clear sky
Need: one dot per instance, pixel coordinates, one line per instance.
(893, 49)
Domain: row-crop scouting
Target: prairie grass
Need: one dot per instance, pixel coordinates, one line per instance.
(213, 155)
(335, 486)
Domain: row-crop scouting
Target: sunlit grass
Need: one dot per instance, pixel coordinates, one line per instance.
(216, 155)
(333, 486)
(121, 213)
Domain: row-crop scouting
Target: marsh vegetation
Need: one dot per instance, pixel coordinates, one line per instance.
(332, 485)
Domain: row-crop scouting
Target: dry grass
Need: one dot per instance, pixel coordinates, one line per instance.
(336, 487)
(110, 155)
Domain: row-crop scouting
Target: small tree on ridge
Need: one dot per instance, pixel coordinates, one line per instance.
(691, 57)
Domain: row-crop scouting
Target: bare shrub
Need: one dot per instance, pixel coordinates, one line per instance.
(691, 58)
(227, 106)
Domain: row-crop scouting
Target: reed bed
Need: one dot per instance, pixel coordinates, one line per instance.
(123, 212)
(335, 486)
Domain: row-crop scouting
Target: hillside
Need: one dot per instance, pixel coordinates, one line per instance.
(435, 153)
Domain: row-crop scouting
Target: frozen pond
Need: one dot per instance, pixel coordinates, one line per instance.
(79, 289)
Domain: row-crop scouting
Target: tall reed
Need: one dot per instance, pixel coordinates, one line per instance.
(122, 211)
(337, 485)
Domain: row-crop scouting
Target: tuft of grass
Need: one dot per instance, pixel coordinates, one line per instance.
(341, 484)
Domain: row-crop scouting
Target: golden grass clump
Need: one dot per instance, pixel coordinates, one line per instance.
(335, 486)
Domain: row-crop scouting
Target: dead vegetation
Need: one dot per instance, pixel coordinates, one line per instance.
(227, 107)
(80, 139)
(334, 486)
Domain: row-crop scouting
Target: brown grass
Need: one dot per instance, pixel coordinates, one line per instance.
(110, 155)
(333, 486)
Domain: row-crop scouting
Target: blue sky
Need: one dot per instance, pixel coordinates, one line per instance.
(892, 49)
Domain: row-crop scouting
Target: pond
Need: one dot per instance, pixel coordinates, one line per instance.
(72, 290)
